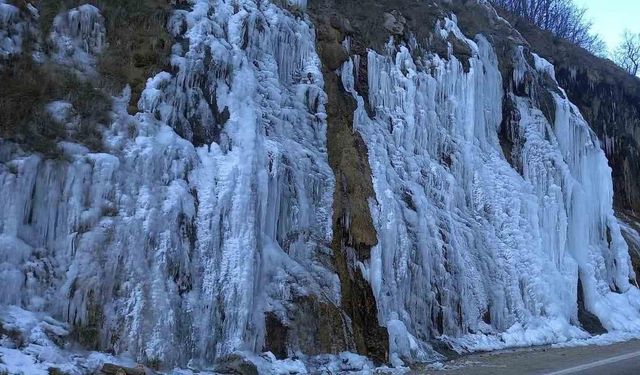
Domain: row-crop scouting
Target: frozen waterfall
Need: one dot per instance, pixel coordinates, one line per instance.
(213, 205)
(169, 251)
(470, 249)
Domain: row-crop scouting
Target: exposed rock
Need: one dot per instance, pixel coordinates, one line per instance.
(112, 369)
(332, 54)
(394, 23)
(341, 23)
(236, 364)
(588, 320)
(12, 334)
(55, 371)
(354, 234)
(318, 327)
(353, 230)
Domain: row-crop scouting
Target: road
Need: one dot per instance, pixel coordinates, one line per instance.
(616, 359)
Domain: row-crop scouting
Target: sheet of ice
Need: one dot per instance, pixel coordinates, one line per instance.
(472, 249)
(171, 251)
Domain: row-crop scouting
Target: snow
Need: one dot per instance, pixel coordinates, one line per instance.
(544, 66)
(33, 342)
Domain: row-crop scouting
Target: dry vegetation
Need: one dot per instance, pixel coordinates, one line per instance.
(27, 87)
(139, 44)
(564, 18)
(138, 48)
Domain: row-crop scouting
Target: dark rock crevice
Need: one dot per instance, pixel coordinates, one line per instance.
(588, 320)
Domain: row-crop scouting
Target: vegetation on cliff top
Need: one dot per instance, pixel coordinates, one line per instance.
(563, 18)
(138, 42)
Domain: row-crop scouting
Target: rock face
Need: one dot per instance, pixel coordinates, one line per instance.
(608, 98)
(391, 178)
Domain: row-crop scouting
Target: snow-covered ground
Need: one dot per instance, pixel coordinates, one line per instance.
(32, 343)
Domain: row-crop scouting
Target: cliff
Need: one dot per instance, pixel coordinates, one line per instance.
(305, 186)
(608, 98)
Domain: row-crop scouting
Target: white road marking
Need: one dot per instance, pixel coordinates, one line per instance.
(603, 362)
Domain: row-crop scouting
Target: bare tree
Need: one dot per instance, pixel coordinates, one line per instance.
(627, 54)
(562, 17)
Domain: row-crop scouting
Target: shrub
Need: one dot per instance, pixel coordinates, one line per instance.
(28, 87)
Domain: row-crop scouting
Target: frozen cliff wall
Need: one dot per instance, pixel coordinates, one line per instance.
(479, 162)
(307, 178)
(171, 252)
(608, 98)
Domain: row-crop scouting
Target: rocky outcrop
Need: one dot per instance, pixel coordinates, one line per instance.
(608, 98)
(587, 319)
(353, 231)
(112, 369)
(314, 327)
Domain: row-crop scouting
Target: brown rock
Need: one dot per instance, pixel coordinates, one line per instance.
(111, 369)
(353, 230)
(237, 365)
(394, 23)
(339, 22)
(332, 55)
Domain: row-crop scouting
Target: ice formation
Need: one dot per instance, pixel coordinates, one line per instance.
(469, 248)
(213, 204)
(174, 250)
(12, 30)
(78, 35)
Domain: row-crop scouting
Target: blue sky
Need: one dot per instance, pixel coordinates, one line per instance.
(611, 17)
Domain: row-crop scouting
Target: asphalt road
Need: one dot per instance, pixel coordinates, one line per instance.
(616, 359)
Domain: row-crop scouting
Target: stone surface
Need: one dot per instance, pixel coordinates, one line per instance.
(112, 369)
(394, 23)
(608, 98)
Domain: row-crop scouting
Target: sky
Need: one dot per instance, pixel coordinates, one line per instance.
(611, 17)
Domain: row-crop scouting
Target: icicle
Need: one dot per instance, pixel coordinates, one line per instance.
(78, 36)
(468, 248)
(170, 250)
(12, 30)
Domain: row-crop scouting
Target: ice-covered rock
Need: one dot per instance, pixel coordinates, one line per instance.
(202, 235)
(165, 250)
(78, 36)
(468, 246)
(13, 29)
